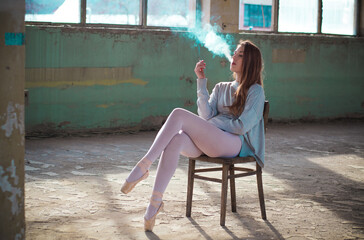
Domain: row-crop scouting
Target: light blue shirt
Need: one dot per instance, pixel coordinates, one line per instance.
(249, 125)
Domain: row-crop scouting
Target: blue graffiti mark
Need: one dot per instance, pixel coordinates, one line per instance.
(14, 39)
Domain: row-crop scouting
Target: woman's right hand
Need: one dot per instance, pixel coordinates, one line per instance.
(199, 69)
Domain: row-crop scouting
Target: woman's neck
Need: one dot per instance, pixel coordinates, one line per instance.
(238, 77)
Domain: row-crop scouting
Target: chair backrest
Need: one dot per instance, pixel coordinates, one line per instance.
(265, 114)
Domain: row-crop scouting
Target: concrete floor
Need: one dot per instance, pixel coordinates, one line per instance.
(313, 184)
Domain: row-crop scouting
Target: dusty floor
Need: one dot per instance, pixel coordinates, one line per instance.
(313, 184)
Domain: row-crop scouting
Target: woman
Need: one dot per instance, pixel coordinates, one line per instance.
(230, 123)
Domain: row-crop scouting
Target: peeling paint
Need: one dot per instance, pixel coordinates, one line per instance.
(6, 186)
(20, 235)
(12, 170)
(14, 119)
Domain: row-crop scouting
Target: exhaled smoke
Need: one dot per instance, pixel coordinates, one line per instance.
(208, 37)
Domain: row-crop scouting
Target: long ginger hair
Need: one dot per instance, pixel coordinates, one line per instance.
(252, 72)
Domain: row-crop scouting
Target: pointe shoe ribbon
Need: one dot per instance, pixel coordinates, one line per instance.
(155, 202)
(144, 164)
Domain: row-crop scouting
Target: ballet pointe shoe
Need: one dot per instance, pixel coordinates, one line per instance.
(149, 223)
(144, 164)
(128, 186)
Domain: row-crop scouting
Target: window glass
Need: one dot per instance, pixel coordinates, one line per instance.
(298, 16)
(171, 13)
(58, 11)
(112, 12)
(338, 17)
(255, 15)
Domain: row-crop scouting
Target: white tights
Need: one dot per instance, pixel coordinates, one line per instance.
(184, 133)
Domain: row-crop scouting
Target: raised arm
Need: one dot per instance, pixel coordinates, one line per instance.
(206, 104)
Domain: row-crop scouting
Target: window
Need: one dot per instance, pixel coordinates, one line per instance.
(112, 12)
(298, 16)
(57, 11)
(294, 16)
(160, 13)
(168, 14)
(255, 15)
(338, 17)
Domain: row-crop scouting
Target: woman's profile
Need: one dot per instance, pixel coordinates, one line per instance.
(229, 123)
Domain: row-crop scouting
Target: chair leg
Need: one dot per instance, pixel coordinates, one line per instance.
(191, 173)
(260, 191)
(224, 187)
(232, 189)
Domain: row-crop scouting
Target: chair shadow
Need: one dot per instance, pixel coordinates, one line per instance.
(197, 226)
(274, 230)
(277, 236)
(152, 236)
(227, 230)
(272, 234)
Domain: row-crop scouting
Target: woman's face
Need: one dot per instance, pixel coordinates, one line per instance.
(237, 62)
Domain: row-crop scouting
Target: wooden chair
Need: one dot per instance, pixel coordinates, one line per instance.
(228, 172)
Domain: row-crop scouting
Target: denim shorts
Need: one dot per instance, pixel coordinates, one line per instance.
(245, 150)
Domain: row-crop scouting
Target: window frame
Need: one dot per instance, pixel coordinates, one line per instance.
(256, 29)
(275, 14)
(143, 6)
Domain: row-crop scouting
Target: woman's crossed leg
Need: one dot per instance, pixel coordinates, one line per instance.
(183, 133)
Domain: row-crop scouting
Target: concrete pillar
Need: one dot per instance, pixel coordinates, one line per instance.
(12, 68)
(224, 13)
(361, 18)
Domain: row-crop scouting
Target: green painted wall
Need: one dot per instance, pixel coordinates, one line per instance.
(95, 78)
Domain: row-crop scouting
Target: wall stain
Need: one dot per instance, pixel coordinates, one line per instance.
(105, 105)
(105, 82)
(303, 100)
(80, 76)
(288, 55)
(187, 79)
(188, 103)
(61, 124)
(223, 63)
(152, 122)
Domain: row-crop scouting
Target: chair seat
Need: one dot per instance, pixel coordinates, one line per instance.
(221, 160)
